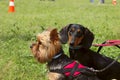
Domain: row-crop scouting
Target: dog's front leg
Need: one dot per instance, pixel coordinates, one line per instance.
(55, 76)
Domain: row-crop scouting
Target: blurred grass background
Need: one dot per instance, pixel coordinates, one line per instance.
(18, 30)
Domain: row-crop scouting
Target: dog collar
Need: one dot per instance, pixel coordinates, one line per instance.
(76, 47)
(57, 56)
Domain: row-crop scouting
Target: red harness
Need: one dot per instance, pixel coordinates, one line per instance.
(73, 69)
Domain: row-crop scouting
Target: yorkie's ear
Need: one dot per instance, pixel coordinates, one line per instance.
(54, 35)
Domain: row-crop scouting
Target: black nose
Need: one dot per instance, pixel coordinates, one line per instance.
(31, 46)
(71, 43)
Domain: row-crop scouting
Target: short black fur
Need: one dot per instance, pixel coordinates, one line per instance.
(90, 58)
(86, 56)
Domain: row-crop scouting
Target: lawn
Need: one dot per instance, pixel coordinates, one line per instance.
(19, 29)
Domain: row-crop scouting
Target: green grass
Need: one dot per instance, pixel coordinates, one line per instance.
(18, 31)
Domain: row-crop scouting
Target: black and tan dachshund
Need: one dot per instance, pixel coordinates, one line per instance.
(80, 40)
(77, 35)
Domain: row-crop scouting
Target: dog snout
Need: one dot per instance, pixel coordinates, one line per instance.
(31, 46)
(71, 43)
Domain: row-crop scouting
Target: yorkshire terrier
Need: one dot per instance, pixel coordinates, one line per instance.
(48, 49)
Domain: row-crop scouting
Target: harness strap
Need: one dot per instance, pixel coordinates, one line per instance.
(87, 71)
(72, 69)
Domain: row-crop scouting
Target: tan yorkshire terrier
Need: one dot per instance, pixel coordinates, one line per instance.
(48, 49)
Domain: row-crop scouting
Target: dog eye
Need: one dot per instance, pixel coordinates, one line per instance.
(40, 43)
(70, 32)
(79, 34)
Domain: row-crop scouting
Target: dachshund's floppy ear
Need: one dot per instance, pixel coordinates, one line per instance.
(88, 38)
(64, 34)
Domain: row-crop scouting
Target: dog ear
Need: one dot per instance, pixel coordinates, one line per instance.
(64, 34)
(88, 38)
(54, 35)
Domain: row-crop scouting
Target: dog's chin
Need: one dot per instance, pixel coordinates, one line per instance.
(39, 58)
(35, 51)
(42, 58)
(76, 46)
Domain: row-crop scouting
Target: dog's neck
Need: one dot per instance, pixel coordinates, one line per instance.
(76, 47)
(58, 54)
(59, 60)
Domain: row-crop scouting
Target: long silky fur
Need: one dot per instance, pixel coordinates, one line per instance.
(44, 49)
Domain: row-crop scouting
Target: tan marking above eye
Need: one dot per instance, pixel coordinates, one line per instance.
(78, 30)
(73, 29)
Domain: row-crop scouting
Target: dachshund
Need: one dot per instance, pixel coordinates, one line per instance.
(77, 35)
(80, 40)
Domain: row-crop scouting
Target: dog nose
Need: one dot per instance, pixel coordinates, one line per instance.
(71, 43)
(31, 46)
